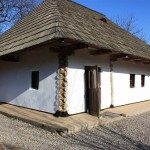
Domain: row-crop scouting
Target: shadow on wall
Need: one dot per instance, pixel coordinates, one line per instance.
(125, 67)
(15, 79)
(16, 82)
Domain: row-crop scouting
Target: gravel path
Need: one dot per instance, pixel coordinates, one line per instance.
(129, 134)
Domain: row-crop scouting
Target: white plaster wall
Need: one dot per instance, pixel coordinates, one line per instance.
(123, 94)
(15, 81)
(76, 80)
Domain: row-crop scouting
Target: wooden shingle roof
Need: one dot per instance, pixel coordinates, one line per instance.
(55, 19)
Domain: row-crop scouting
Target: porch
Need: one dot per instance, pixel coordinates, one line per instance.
(74, 123)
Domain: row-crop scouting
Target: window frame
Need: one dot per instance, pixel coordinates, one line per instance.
(132, 80)
(142, 80)
(35, 80)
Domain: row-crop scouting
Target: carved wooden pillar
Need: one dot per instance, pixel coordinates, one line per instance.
(62, 85)
(111, 84)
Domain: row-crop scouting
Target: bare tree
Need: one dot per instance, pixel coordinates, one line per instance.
(129, 24)
(21, 8)
(11, 11)
(4, 10)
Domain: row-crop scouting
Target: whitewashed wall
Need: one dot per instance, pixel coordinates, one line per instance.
(123, 94)
(15, 81)
(76, 80)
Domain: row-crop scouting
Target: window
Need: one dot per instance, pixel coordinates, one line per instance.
(103, 19)
(142, 80)
(35, 80)
(132, 80)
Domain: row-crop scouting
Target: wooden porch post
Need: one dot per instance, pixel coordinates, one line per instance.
(111, 84)
(62, 85)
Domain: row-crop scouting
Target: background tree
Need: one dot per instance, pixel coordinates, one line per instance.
(4, 10)
(21, 8)
(129, 24)
(11, 11)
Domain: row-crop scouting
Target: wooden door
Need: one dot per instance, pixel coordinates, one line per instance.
(93, 90)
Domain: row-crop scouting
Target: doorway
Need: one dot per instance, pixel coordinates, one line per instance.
(93, 90)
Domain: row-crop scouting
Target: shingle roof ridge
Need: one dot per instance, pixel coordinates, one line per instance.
(67, 19)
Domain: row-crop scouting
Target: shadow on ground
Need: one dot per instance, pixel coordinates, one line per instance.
(104, 138)
(4, 146)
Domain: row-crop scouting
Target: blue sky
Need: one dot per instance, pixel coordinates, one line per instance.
(111, 8)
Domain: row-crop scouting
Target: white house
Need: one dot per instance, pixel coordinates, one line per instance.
(64, 58)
